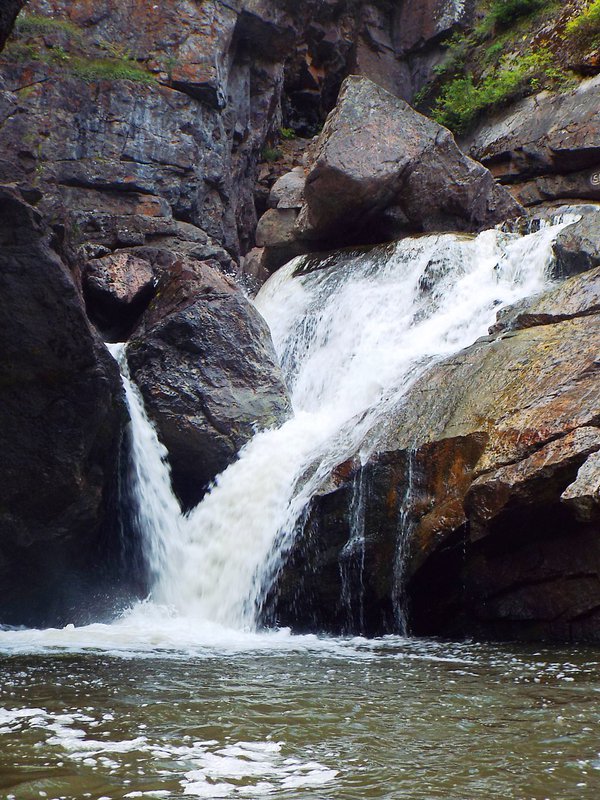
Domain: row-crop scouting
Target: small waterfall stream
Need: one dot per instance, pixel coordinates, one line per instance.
(352, 336)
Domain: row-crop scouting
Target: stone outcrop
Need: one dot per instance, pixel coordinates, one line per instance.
(8, 14)
(546, 147)
(61, 421)
(480, 503)
(206, 367)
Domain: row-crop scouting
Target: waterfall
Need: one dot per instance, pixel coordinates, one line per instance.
(353, 332)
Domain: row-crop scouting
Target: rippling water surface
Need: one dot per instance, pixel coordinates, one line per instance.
(297, 717)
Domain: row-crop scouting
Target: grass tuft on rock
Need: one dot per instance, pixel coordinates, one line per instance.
(109, 69)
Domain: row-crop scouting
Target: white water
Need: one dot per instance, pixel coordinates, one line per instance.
(352, 338)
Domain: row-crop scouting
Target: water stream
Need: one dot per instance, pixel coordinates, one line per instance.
(184, 697)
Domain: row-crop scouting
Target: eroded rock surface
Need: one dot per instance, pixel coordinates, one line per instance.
(547, 147)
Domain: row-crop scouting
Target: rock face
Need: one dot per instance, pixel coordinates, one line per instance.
(164, 110)
(205, 364)
(8, 14)
(479, 510)
(546, 147)
(379, 168)
(61, 420)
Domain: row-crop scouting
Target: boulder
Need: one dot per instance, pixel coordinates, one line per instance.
(62, 416)
(276, 233)
(287, 191)
(577, 248)
(206, 367)
(377, 155)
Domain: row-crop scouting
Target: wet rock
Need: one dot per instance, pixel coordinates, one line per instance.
(376, 153)
(576, 297)
(205, 364)
(464, 506)
(577, 248)
(535, 481)
(61, 419)
(583, 495)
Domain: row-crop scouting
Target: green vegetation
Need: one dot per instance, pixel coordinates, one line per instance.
(34, 24)
(504, 13)
(585, 27)
(271, 154)
(287, 133)
(463, 100)
(114, 64)
(109, 69)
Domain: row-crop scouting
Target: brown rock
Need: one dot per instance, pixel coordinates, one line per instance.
(376, 153)
(117, 289)
(535, 481)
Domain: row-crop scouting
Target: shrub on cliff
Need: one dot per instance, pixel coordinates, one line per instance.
(504, 12)
(585, 27)
(463, 100)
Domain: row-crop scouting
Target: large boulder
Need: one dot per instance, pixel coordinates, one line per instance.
(61, 420)
(379, 168)
(479, 508)
(205, 364)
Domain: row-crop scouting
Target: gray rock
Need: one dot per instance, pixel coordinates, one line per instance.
(583, 495)
(577, 247)
(551, 141)
(288, 191)
(205, 364)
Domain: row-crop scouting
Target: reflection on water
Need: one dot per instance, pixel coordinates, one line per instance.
(301, 717)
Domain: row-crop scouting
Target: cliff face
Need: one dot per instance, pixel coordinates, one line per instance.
(149, 114)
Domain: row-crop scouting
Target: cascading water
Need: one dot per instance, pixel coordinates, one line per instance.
(352, 336)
